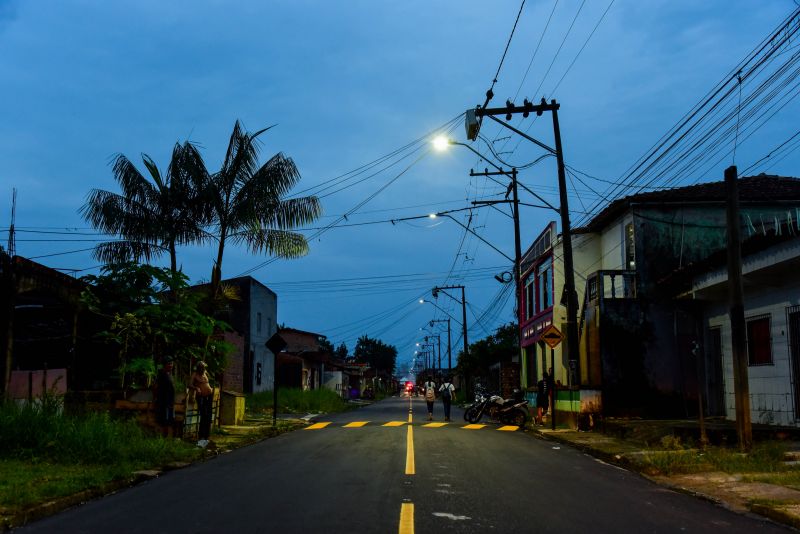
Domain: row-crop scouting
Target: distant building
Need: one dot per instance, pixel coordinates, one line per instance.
(302, 363)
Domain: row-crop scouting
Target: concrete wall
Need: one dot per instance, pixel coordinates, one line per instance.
(265, 302)
(771, 386)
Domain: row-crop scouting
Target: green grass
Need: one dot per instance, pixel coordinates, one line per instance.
(764, 458)
(297, 401)
(34, 434)
(46, 455)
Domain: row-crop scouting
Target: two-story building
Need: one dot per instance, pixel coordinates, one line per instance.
(637, 335)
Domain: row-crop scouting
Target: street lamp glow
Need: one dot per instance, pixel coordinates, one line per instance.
(432, 215)
(441, 143)
(422, 301)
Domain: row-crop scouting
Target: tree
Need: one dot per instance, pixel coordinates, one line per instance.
(500, 346)
(152, 314)
(151, 216)
(341, 351)
(248, 203)
(376, 353)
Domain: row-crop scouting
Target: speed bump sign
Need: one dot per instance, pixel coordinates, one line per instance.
(552, 336)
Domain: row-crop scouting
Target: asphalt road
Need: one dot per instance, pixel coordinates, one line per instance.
(338, 479)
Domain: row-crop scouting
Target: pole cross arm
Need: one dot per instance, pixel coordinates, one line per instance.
(528, 108)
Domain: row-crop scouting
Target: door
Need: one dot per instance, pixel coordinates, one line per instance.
(715, 381)
(794, 350)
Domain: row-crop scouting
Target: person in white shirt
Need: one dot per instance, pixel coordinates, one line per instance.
(448, 394)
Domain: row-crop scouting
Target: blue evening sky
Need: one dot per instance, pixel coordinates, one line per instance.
(348, 82)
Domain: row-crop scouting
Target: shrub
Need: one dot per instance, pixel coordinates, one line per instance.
(294, 400)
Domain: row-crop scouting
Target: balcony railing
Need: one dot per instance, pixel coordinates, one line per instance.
(611, 285)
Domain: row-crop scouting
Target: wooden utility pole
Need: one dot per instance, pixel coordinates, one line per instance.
(741, 384)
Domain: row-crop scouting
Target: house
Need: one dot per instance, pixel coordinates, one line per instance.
(770, 262)
(637, 333)
(254, 317)
(41, 324)
(302, 363)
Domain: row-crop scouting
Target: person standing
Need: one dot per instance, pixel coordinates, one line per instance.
(165, 398)
(204, 394)
(448, 394)
(542, 398)
(430, 396)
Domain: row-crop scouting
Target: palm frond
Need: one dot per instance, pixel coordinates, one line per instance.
(115, 252)
(273, 242)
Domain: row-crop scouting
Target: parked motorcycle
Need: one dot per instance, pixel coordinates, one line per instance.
(480, 398)
(513, 411)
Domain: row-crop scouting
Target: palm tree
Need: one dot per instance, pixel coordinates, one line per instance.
(150, 216)
(248, 204)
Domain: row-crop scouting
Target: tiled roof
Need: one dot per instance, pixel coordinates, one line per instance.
(761, 188)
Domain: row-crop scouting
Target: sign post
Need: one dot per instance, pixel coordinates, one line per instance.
(552, 336)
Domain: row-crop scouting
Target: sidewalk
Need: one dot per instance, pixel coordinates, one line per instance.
(735, 491)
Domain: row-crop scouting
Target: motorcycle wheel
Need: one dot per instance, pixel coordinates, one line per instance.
(467, 412)
(474, 415)
(517, 418)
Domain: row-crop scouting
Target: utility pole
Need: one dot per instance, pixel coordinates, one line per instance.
(449, 352)
(569, 272)
(738, 340)
(435, 292)
(517, 242)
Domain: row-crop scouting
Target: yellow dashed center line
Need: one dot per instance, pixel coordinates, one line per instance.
(434, 425)
(317, 426)
(508, 428)
(406, 518)
(356, 424)
(410, 469)
(395, 423)
(473, 427)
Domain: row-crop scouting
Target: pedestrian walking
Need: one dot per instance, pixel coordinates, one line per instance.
(430, 396)
(204, 394)
(448, 394)
(165, 399)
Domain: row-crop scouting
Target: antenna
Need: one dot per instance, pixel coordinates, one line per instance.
(12, 248)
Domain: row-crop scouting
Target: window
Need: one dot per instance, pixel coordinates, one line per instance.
(258, 322)
(530, 295)
(759, 340)
(630, 248)
(544, 281)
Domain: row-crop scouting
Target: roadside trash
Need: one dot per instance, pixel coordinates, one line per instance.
(556, 448)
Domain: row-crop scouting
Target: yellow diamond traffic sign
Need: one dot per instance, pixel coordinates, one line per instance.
(552, 336)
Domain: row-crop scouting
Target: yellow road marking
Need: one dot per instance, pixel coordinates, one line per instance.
(410, 469)
(435, 425)
(317, 426)
(406, 518)
(356, 424)
(409, 417)
(395, 423)
(473, 427)
(508, 428)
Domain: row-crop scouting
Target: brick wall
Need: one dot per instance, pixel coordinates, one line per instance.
(233, 376)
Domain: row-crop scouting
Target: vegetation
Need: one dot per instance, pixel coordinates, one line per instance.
(484, 353)
(150, 216)
(152, 315)
(293, 400)
(376, 353)
(765, 457)
(45, 455)
(248, 203)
